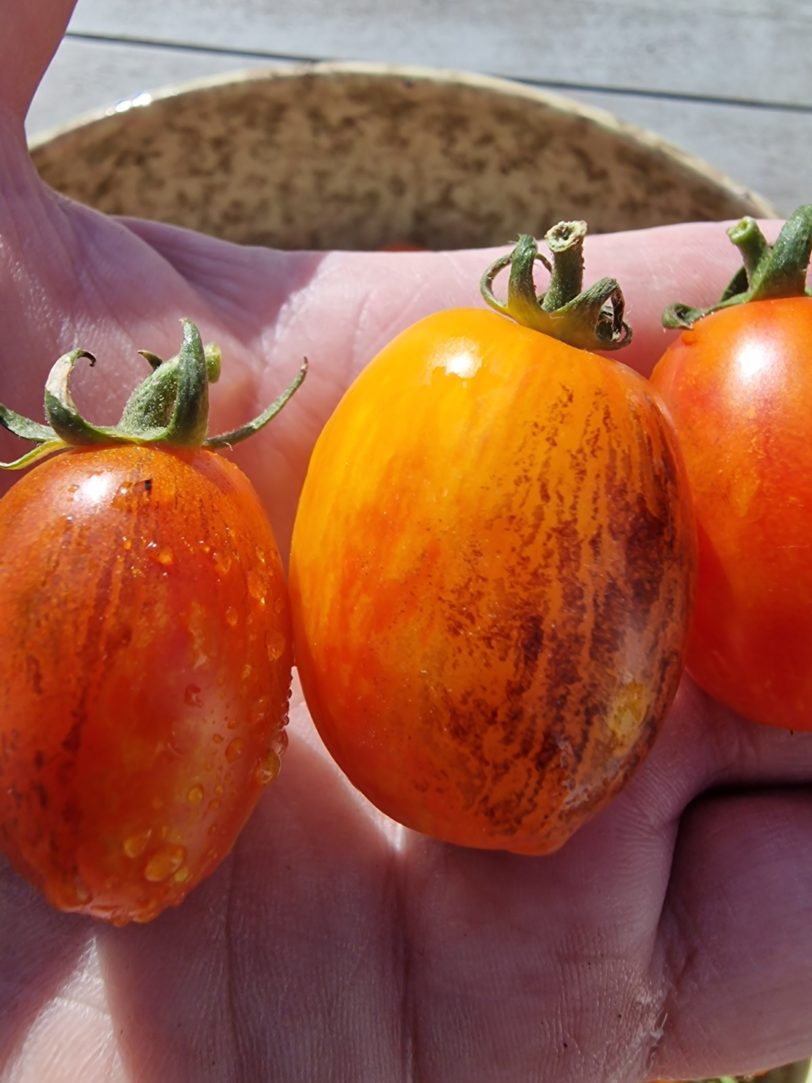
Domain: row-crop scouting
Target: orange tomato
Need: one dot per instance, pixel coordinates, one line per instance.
(490, 581)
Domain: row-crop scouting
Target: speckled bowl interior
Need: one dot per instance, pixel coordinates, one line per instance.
(350, 156)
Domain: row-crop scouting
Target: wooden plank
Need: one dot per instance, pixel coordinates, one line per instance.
(744, 50)
(747, 143)
(86, 77)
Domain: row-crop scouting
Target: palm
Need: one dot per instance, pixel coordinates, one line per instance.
(331, 945)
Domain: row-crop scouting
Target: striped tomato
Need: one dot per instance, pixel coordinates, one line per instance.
(492, 567)
(145, 648)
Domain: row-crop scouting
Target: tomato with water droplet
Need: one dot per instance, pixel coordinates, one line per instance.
(128, 646)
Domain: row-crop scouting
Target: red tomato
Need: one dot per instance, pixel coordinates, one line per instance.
(145, 647)
(144, 673)
(490, 578)
(739, 386)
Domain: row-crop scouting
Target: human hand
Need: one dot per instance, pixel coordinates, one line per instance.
(669, 937)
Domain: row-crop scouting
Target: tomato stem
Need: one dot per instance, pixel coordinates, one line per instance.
(61, 411)
(227, 439)
(767, 271)
(170, 407)
(588, 318)
(751, 243)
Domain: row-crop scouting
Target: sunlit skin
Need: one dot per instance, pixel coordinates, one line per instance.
(738, 386)
(669, 938)
(491, 575)
(145, 656)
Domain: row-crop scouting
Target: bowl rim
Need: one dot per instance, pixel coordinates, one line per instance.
(602, 119)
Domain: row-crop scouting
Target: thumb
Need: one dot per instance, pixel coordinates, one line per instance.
(30, 36)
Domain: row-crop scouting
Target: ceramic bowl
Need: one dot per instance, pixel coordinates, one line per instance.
(363, 156)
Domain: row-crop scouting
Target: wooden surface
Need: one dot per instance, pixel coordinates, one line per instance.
(727, 80)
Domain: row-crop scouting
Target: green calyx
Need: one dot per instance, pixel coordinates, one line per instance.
(170, 407)
(591, 319)
(767, 271)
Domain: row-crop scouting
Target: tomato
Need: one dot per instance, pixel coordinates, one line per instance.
(490, 579)
(145, 664)
(738, 384)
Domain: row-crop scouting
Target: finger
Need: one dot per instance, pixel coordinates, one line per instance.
(30, 37)
(535, 968)
(736, 940)
(703, 746)
(655, 267)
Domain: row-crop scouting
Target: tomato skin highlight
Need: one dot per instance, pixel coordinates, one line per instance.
(145, 658)
(738, 386)
(491, 571)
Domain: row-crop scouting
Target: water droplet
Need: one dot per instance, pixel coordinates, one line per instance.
(232, 617)
(122, 491)
(192, 696)
(214, 804)
(247, 670)
(279, 742)
(261, 556)
(257, 586)
(161, 554)
(268, 768)
(136, 844)
(148, 911)
(164, 863)
(234, 749)
(276, 646)
(126, 544)
(195, 794)
(222, 562)
(218, 738)
(81, 890)
(261, 710)
(231, 724)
